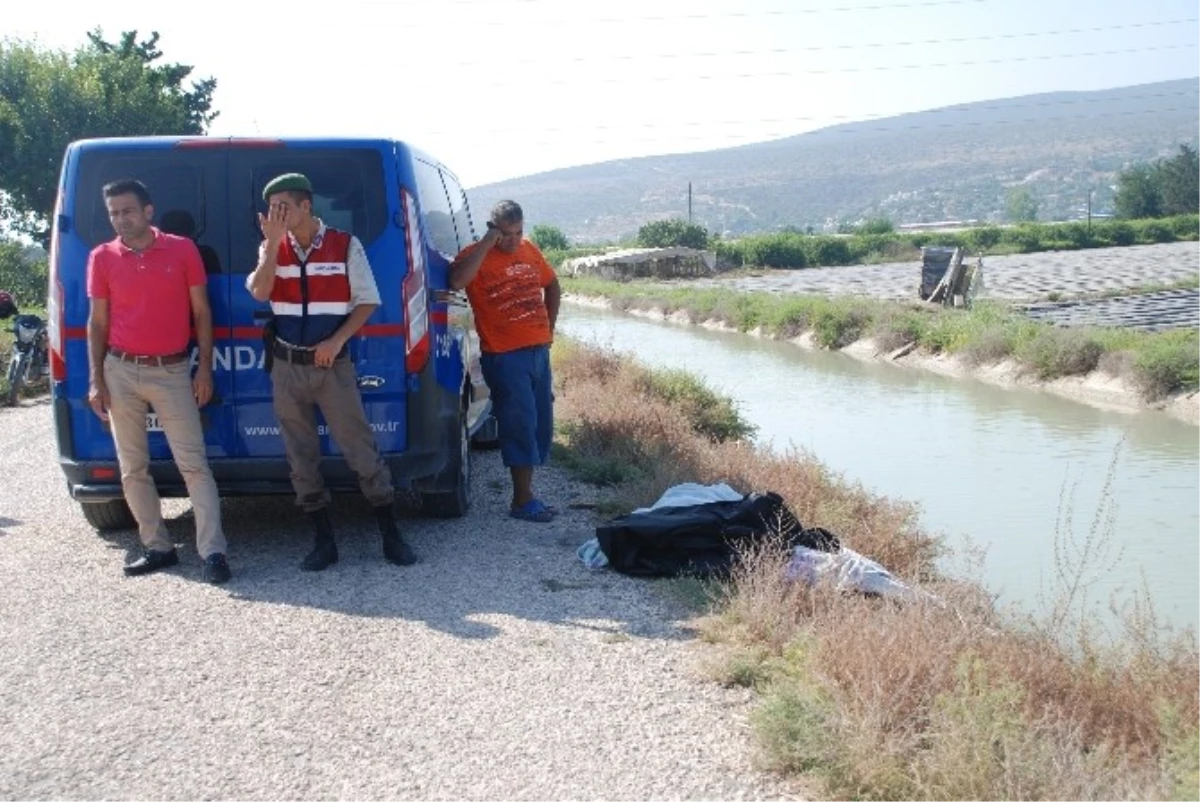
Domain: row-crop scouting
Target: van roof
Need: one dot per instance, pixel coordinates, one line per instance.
(213, 141)
(154, 142)
(162, 142)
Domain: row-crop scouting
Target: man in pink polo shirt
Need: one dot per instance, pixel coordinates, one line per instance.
(146, 288)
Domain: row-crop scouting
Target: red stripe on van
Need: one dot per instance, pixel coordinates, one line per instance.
(255, 332)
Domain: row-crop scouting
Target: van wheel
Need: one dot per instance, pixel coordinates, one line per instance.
(454, 503)
(487, 438)
(108, 515)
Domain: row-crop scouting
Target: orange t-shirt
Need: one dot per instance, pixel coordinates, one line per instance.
(507, 298)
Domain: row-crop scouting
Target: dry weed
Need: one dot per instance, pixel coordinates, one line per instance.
(928, 700)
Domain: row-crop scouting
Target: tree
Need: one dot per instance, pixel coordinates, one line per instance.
(875, 225)
(1020, 206)
(671, 233)
(1137, 193)
(549, 238)
(1179, 182)
(50, 98)
(23, 273)
(1163, 187)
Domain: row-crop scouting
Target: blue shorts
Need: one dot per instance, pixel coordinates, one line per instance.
(522, 401)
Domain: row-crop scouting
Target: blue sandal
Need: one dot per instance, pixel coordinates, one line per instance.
(535, 511)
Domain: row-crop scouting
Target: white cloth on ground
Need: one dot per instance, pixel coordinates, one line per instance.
(847, 570)
(691, 493)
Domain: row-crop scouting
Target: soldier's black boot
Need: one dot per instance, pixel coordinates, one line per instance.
(395, 549)
(324, 553)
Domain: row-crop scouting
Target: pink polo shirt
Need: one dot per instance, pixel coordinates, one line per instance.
(149, 301)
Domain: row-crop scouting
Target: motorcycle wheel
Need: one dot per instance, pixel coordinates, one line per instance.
(16, 377)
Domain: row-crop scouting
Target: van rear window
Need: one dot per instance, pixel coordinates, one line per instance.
(348, 191)
(187, 189)
(214, 195)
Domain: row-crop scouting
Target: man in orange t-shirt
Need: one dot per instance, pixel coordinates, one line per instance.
(515, 295)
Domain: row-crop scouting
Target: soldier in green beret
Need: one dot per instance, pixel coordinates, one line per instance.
(322, 291)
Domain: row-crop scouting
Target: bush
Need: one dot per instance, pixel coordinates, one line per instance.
(1078, 235)
(729, 253)
(1153, 231)
(23, 274)
(549, 238)
(775, 250)
(981, 239)
(1185, 226)
(672, 233)
(1116, 232)
(1063, 352)
(876, 225)
(1168, 363)
(713, 416)
(838, 325)
(948, 239)
(1026, 239)
(828, 251)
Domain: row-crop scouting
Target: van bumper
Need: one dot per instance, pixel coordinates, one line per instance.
(242, 477)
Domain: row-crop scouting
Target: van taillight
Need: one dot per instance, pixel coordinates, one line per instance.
(414, 294)
(55, 323)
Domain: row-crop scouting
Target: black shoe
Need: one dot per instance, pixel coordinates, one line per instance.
(216, 569)
(324, 553)
(152, 561)
(395, 550)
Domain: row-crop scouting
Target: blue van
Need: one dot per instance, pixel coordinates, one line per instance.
(417, 357)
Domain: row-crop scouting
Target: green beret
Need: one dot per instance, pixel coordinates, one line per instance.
(288, 182)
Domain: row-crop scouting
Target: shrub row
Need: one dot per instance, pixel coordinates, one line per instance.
(791, 250)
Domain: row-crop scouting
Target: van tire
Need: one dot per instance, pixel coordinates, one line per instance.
(454, 503)
(487, 437)
(106, 516)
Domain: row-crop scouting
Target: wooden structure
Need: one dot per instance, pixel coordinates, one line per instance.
(946, 279)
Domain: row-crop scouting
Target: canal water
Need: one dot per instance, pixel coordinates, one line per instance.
(991, 469)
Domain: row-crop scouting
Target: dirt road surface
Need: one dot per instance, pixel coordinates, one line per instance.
(497, 668)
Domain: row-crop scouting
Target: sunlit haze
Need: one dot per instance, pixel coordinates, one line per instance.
(505, 88)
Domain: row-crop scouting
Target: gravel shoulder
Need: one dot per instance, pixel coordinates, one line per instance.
(496, 668)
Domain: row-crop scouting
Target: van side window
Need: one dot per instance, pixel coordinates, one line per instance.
(459, 210)
(435, 209)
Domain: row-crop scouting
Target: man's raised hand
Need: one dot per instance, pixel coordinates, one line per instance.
(274, 223)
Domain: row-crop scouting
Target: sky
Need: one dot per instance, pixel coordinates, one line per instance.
(500, 89)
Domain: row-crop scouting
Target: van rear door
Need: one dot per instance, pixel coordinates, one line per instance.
(350, 192)
(188, 187)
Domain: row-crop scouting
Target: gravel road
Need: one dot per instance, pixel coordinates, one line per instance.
(497, 668)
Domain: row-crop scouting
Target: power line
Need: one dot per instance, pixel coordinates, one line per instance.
(837, 119)
(835, 48)
(731, 14)
(640, 79)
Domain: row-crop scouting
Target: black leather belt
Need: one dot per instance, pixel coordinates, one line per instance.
(299, 356)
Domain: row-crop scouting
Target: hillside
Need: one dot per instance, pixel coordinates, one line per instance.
(950, 163)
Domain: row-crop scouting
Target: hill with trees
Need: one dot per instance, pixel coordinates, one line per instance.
(1039, 157)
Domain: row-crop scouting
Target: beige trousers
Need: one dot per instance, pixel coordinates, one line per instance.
(133, 389)
(298, 391)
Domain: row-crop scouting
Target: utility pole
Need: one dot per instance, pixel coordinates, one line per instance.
(689, 203)
(1089, 210)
